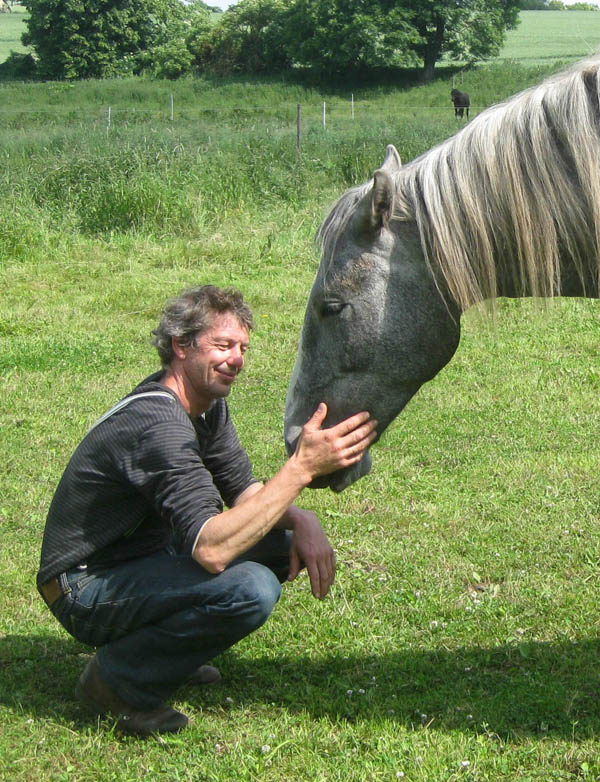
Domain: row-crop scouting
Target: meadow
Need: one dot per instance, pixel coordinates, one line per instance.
(11, 26)
(545, 36)
(460, 641)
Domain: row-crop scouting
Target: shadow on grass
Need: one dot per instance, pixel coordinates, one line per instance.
(534, 689)
(386, 79)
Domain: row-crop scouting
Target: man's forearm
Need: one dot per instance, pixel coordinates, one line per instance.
(231, 533)
(318, 452)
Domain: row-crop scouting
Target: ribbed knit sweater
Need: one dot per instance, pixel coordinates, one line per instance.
(147, 476)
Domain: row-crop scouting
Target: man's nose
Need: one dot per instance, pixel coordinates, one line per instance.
(236, 358)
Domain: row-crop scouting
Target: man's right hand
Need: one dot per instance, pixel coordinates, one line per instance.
(319, 451)
(322, 451)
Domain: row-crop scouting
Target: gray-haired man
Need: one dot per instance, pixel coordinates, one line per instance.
(141, 559)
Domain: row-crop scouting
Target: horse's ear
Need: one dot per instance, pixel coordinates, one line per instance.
(382, 199)
(392, 160)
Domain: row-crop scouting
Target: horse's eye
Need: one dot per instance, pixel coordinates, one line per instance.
(329, 308)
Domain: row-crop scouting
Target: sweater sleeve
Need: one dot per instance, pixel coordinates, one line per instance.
(166, 467)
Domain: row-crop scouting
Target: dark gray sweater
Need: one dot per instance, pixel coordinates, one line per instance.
(147, 476)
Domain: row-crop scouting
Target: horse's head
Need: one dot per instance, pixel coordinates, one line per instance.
(376, 326)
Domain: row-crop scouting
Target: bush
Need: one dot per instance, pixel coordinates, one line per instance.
(19, 66)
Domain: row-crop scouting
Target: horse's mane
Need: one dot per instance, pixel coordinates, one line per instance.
(515, 194)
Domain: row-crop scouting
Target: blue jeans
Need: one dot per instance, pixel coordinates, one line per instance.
(156, 619)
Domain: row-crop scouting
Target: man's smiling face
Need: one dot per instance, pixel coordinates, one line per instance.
(215, 359)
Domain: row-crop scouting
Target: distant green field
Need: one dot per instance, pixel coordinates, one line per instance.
(11, 27)
(553, 35)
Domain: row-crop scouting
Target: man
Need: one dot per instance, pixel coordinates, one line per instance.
(141, 559)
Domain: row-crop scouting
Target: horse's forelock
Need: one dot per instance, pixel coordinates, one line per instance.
(337, 221)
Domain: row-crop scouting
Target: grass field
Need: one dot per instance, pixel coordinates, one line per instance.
(544, 36)
(460, 641)
(12, 25)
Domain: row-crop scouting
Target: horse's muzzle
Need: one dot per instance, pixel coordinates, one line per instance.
(336, 481)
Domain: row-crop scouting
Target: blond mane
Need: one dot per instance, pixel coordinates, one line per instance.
(514, 196)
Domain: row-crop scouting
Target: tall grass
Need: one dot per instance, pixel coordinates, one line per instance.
(67, 165)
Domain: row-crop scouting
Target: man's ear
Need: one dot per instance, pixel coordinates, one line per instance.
(178, 349)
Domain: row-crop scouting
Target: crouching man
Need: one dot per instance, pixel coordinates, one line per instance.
(161, 548)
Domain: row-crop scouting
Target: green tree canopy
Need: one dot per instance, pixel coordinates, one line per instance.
(76, 39)
(99, 38)
(342, 35)
(249, 37)
(468, 30)
(337, 35)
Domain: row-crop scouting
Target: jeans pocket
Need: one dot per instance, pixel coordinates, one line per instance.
(75, 609)
(80, 585)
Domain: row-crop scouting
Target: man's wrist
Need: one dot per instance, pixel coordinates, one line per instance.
(299, 475)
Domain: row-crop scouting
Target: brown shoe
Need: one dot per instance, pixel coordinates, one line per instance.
(96, 694)
(205, 674)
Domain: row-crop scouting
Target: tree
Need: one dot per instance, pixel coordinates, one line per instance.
(461, 29)
(76, 39)
(248, 37)
(338, 35)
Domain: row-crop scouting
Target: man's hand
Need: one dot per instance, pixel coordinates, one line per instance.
(322, 451)
(311, 549)
(319, 451)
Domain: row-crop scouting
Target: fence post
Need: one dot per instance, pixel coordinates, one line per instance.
(352, 105)
(324, 114)
(108, 121)
(171, 107)
(299, 130)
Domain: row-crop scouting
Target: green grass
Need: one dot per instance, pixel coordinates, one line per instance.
(544, 36)
(460, 641)
(12, 25)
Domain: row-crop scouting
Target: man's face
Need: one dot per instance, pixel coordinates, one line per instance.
(212, 364)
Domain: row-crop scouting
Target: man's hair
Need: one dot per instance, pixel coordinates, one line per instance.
(192, 313)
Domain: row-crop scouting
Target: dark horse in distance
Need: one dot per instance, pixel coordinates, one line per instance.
(461, 102)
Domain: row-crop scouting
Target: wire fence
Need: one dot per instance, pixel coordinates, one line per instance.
(324, 113)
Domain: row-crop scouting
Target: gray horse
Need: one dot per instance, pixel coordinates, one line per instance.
(509, 206)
